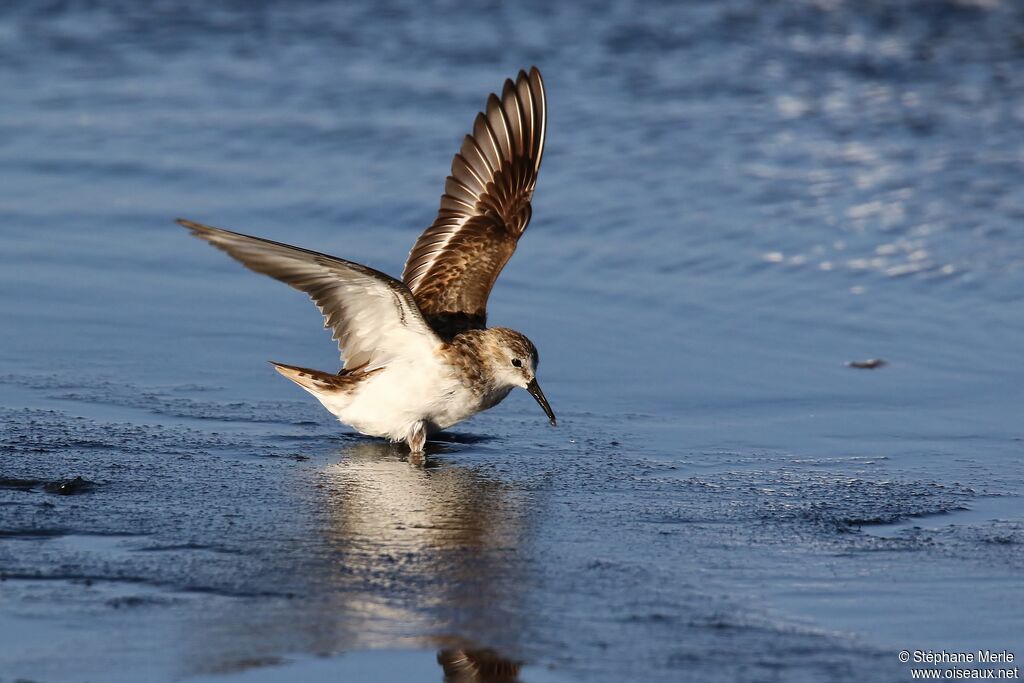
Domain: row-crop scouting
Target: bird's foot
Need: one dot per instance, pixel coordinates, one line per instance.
(417, 439)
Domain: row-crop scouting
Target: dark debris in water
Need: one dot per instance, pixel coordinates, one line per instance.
(869, 364)
(62, 487)
(70, 487)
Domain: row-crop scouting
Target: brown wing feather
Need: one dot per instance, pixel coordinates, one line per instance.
(484, 210)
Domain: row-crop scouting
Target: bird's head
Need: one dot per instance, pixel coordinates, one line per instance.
(513, 363)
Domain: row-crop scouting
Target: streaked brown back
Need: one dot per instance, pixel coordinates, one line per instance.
(484, 210)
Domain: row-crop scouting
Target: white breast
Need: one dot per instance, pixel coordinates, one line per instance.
(390, 402)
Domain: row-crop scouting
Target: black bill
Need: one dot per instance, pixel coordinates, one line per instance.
(535, 391)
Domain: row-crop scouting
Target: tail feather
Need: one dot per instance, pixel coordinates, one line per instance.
(315, 381)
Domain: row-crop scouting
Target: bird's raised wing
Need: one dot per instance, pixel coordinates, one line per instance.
(484, 210)
(373, 316)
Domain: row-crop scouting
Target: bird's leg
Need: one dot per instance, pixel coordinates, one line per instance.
(417, 439)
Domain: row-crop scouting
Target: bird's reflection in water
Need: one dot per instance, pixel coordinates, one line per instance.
(426, 554)
(477, 666)
(388, 555)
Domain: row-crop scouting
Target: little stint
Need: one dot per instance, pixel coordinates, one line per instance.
(417, 355)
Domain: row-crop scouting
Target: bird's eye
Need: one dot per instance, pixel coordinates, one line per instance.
(517, 363)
